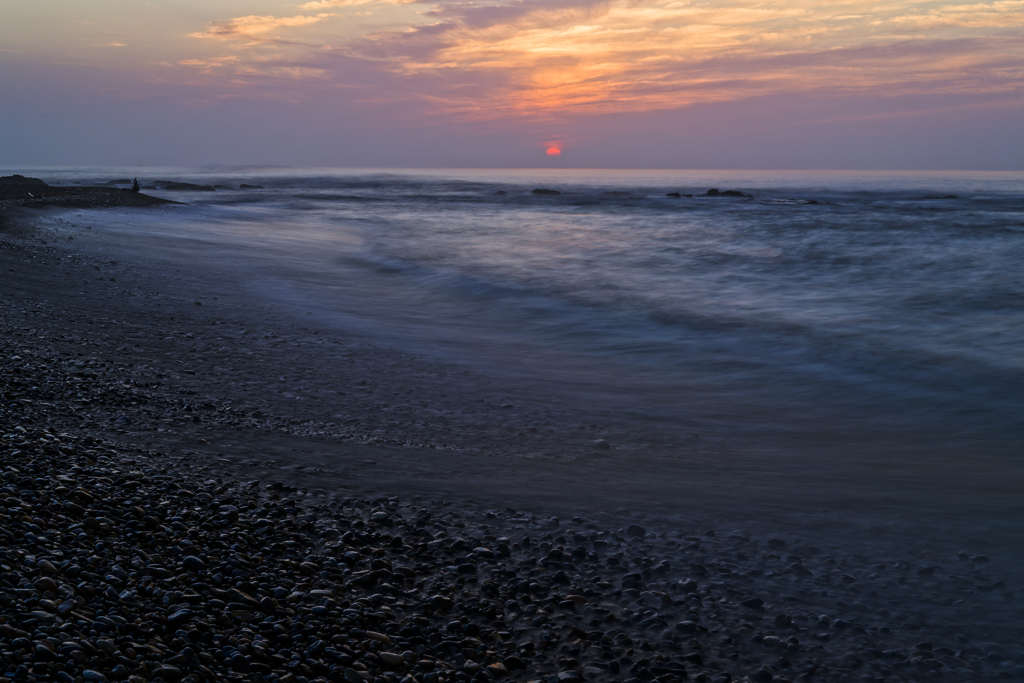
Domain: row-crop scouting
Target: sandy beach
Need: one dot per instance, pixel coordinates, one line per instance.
(765, 565)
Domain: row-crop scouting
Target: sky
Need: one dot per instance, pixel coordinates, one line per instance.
(800, 84)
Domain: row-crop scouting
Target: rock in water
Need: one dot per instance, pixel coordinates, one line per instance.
(180, 187)
(545, 191)
(726, 193)
(636, 531)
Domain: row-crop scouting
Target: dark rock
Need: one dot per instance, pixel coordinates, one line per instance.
(245, 186)
(726, 193)
(686, 627)
(514, 663)
(240, 664)
(168, 673)
(175, 186)
(193, 563)
(600, 445)
(636, 531)
(179, 617)
(545, 191)
(21, 182)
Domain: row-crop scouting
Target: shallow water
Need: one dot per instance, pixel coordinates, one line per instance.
(869, 310)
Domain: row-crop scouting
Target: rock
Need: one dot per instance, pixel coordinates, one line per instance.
(673, 194)
(799, 569)
(546, 192)
(726, 193)
(762, 676)
(753, 603)
(240, 664)
(167, 672)
(776, 543)
(179, 617)
(379, 637)
(45, 583)
(175, 186)
(246, 186)
(47, 566)
(392, 660)
(636, 531)
(21, 182)
(600, 445)
(514, 663)
(193, 563)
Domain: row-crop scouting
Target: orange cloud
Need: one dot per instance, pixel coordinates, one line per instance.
(254, 26)
(323, 4)
(539, 58)
(638, 56)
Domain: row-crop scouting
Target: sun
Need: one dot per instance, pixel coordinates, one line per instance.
(554, 152)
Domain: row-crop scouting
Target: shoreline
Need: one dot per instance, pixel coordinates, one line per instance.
(204, 411)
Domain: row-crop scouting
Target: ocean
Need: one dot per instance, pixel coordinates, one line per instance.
(873, 312)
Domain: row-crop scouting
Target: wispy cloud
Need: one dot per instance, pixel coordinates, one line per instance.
(324, 4)
(255, 26)
(541, 58)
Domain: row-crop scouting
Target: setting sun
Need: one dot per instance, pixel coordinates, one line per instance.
(554, 152)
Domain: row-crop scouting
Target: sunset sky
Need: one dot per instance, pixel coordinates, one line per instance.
(491, 83)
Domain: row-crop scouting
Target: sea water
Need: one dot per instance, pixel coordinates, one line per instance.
(878, 311)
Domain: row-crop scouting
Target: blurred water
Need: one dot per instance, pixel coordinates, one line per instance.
(873, 308)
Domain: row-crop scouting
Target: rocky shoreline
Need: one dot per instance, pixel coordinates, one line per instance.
(138, 561)
(20, 192)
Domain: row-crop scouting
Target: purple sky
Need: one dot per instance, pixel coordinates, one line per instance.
(630, 84)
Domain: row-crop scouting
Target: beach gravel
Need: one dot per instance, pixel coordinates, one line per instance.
(126, 562)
